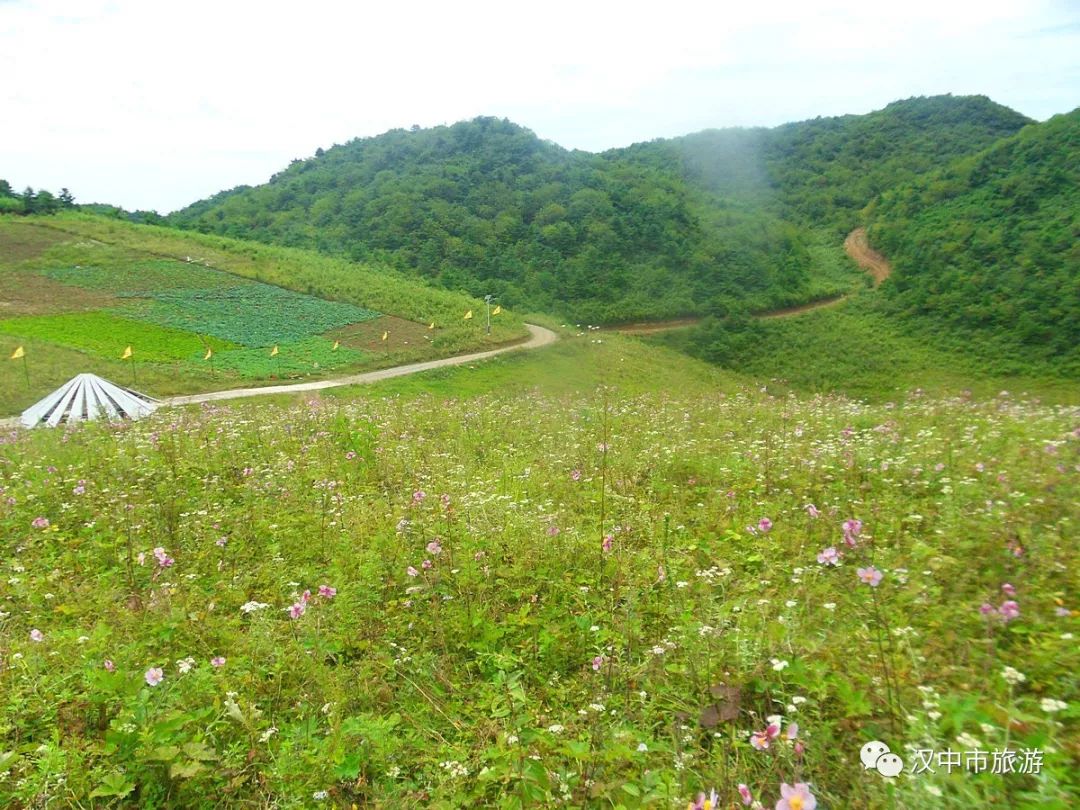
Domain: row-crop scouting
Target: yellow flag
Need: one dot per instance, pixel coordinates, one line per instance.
(19, 352)
(127, 353)
(468, 316)
(335, 347)
(385, 335)
(273, 351)
(497, 310)
(209, 353)
(431, 325)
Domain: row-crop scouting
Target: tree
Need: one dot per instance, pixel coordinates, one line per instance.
(5, 189)
(66, 199)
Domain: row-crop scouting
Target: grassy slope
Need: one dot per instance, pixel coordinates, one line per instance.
(486, 659)
(50, 364)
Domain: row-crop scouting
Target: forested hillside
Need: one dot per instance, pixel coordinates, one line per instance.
(706, 223)
(487, 206)
(991, 245)
(822, 172)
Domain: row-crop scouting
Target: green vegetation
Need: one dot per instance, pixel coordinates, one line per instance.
(990, 246)
(31, 202)
(707, 223)
(590, 597)
(76, 290)
(859, 348)
(106, 335)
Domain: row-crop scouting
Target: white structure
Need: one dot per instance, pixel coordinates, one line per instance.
(87, 396)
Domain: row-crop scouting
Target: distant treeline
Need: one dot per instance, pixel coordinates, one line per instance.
(33, 202)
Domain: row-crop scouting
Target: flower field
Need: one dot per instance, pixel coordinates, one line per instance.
(599, 598)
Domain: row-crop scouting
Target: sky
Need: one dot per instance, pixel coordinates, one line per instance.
(151, 105)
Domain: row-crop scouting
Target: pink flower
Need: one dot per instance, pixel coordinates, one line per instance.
(326, 592)
(418, 496)
(764, 525)
(829, 556)
(762, 739)
(796, 797)
(986, 608)
(747, 796)
(597, 662)
(40, 523)
(217, 661)
(36, 635)
(661, 574)
(1062, 611)
(350, 455)
(552, 531)
(792, 732)
(426, 564)
(164, 560)
(575, 475)
(1009, 610)
(852, 529)
(412, 572)
(305, 597)
(153, 676)
(606, 544)
(109, 665)
(297, 610)
(870, 575)
(434, 547)
(704, 802)
(1008, 590)
(813, 511)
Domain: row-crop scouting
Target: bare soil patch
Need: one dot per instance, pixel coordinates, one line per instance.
(20, 241)
(26, 293)
(858, 248)
(400, 334)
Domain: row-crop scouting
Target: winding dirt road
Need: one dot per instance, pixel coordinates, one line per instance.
(538, 337)
(858, 248)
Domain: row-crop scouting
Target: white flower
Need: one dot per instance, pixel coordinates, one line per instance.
(790, 603)
(779, 665)
(1013, 676)
(555, 728)
(642, 748)
(511, 739)
(185, 665)
(319, 795)
(798, 700)
(829, 606)
(266, 735)
(1050, 705)
(968, 741)
(251, 607)
(596, 707)
(933, 790)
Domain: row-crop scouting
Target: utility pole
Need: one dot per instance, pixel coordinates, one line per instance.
(487, 300)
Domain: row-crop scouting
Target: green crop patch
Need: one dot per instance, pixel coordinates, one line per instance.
(107, 335)
(310, 356)
(253, 314)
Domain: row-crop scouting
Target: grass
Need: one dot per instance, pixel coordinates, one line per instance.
(105, 335)
(78, 281)
(601, 620)
(858, 349)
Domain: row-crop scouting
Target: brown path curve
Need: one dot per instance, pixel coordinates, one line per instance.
(538, 336)
(857, 246)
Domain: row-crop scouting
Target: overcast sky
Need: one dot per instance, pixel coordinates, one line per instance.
(153, 105)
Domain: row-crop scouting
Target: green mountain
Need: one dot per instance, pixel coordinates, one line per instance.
(990, 246)
(822, 172)
(709, 222)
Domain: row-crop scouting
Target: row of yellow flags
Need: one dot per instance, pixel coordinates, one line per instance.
(128, 353)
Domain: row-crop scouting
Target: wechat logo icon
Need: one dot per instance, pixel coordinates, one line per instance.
(875, 755)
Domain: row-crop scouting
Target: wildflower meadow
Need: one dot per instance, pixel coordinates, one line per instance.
(599, 598)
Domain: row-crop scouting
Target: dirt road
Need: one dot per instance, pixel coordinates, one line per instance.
(538, 336)
(858, 248)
